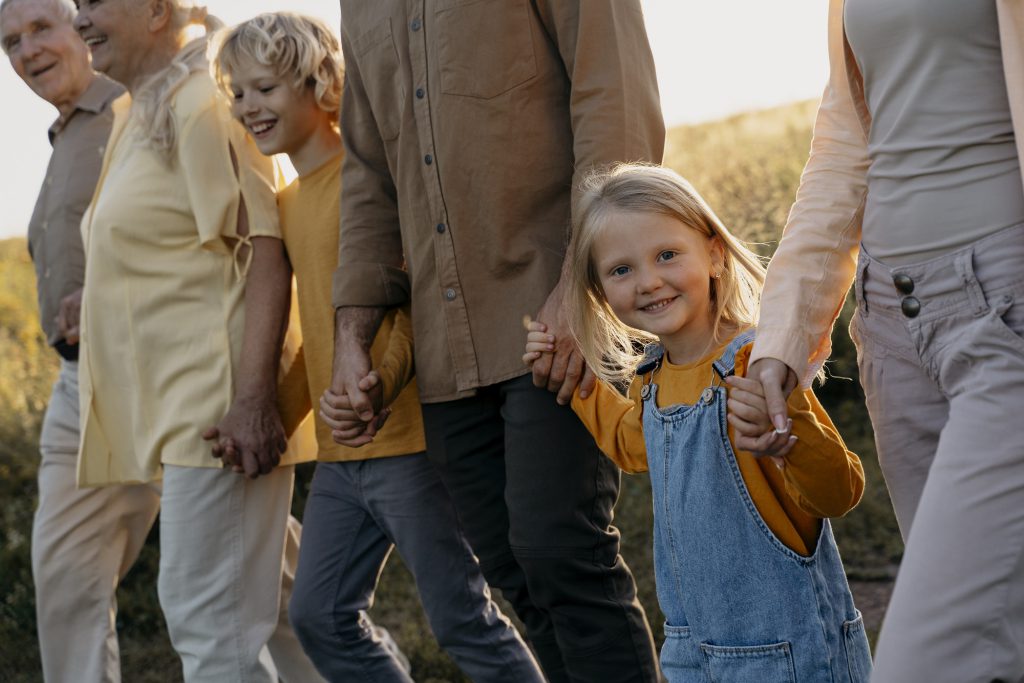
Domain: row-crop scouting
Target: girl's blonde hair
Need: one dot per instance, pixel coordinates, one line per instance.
(610, 347)
(299, 48)
(151, 105)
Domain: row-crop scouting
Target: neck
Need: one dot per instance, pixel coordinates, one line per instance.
(320, 147)
(691, 343)
(66, 105)
(151, 62)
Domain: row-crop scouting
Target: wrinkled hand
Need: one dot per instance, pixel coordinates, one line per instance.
(250, 438)
(774, 382)
(748, 415)
(561, 369)
(348, 427)
(69, 316)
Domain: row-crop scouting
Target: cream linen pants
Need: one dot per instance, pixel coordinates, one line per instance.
(941, 352)
(228, 551)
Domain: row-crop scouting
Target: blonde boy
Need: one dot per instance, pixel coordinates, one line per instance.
(284, 74)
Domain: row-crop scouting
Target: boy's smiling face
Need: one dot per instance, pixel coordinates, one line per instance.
(280, 118)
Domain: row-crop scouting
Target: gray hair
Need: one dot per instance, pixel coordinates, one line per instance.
(65, 8)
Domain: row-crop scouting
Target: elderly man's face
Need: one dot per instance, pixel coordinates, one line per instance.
(116, 33)
(44, 49)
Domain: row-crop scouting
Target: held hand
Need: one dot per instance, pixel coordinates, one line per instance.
(249, 437)
(563, 369)
(69, 317)
(351, 367)
(538, 341)
(778, 381)
(748, 415)
(347, 427)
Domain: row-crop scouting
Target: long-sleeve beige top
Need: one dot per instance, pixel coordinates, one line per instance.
(814, 265)
(54, 231)
(162, 308)
(466, 125)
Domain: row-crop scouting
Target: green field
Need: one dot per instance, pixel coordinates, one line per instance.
(747, 167)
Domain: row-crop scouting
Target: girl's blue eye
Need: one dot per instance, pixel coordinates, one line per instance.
(666, 255)
(619, 271)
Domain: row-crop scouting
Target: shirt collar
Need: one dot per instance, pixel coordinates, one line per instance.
(97, 97)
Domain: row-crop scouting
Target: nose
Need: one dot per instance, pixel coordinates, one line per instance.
(81, 21)
(247, 105)
(648, 280)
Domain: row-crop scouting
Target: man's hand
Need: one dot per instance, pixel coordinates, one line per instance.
(347, 428)
(562, 369)
(69, 317)
(250, 438)
(355, 328)
(772, 381)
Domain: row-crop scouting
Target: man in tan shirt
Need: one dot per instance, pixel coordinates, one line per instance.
(83, 542)
(466, 127)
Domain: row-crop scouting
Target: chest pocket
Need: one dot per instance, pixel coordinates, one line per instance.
(485, 46)
(381, 76)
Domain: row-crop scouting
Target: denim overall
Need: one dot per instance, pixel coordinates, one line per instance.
(740, 606)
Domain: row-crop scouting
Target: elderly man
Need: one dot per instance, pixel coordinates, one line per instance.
(466, 126)
(84, 541)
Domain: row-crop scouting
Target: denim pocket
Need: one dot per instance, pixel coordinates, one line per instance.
(762, 663)
(858, 653)
(680, 659)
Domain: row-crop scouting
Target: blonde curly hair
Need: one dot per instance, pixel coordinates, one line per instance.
(296, 47)
(609, 346)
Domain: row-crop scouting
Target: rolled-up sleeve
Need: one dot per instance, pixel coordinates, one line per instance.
(370, 260)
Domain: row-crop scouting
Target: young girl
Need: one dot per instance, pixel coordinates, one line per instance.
(748, 574)
(284, 74)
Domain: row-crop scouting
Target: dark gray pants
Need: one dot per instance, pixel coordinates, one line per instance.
(355, 514)
(535, 497)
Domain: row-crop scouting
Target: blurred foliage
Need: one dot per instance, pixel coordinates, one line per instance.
(747, 167)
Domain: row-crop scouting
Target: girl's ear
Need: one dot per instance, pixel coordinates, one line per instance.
(716, 250)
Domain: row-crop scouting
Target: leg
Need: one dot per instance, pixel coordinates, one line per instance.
(292, 663)
(340, 561)
(466, 444)
(561, 490)
(222, 541)
(957, 613)
(408, 500)
(906, 408)
(83, 543)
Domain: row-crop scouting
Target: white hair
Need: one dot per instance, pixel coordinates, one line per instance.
(65, 8)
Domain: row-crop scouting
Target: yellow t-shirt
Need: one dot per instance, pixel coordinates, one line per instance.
(821, 478)
(163, 304)
(309, 209)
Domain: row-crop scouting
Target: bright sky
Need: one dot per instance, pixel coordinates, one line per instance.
(714, 58)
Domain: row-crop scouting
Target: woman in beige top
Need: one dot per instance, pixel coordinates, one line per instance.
(913, 191)
(183, 316)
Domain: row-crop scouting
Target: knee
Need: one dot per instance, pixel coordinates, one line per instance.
(314, 620)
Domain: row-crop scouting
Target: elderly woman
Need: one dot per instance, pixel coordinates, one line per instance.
(183, 314)
(913, 190)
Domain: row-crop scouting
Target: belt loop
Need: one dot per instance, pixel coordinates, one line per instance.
(964, 264)
(858, 283)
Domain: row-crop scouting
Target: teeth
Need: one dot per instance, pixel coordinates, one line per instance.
(94, 41)
(261, 127)
(658, 304)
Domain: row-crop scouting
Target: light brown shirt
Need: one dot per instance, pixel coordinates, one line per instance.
(466, 126)
(54, 234)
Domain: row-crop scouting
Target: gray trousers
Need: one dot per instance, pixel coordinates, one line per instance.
(945, 390)
(356, 513)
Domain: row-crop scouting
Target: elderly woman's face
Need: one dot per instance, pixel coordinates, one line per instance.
(117, 34)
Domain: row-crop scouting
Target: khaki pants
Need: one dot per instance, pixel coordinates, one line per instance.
(945, 390)
(228, 550)
(83, 543)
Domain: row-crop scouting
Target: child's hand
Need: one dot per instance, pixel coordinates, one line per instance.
(538, 341)
(748, 415)
(346, 426)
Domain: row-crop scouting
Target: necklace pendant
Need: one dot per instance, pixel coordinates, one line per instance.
(707, 395)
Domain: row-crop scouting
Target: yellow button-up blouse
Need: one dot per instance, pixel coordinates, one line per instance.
(162, 309)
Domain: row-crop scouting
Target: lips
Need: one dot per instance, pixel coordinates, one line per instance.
(93, 41)
(658, 305)
(39, 72)
(262, 128)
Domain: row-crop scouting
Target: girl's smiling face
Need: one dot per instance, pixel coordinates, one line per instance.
(656, 275)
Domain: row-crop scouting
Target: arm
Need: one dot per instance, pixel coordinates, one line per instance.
(396, 366)
(616, 424)
(616, 116)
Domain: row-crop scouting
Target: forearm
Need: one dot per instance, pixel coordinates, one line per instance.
(267, 298)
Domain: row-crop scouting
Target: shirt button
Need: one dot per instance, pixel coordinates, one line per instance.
(428, 160)
(420, 93)
(441, 227)
(416, 24)
(910, 306)
(449, 294)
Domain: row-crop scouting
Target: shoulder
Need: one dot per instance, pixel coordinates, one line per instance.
(197, 95)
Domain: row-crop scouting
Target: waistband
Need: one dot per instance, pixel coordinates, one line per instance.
(961, 279)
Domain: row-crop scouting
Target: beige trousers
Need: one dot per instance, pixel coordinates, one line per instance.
(228, 550)
(941, 354)
(83, 543)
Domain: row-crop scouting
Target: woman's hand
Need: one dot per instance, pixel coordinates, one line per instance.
(752, 422)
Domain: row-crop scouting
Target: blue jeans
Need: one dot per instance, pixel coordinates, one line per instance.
(356, 513)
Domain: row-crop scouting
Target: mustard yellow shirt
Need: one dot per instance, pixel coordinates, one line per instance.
(821, 478)
(309, 209)
(162, 309)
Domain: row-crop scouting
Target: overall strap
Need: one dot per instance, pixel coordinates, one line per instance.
(653, 353)
(726, 363)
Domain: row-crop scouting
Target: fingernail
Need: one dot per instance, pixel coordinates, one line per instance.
(780, 424)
